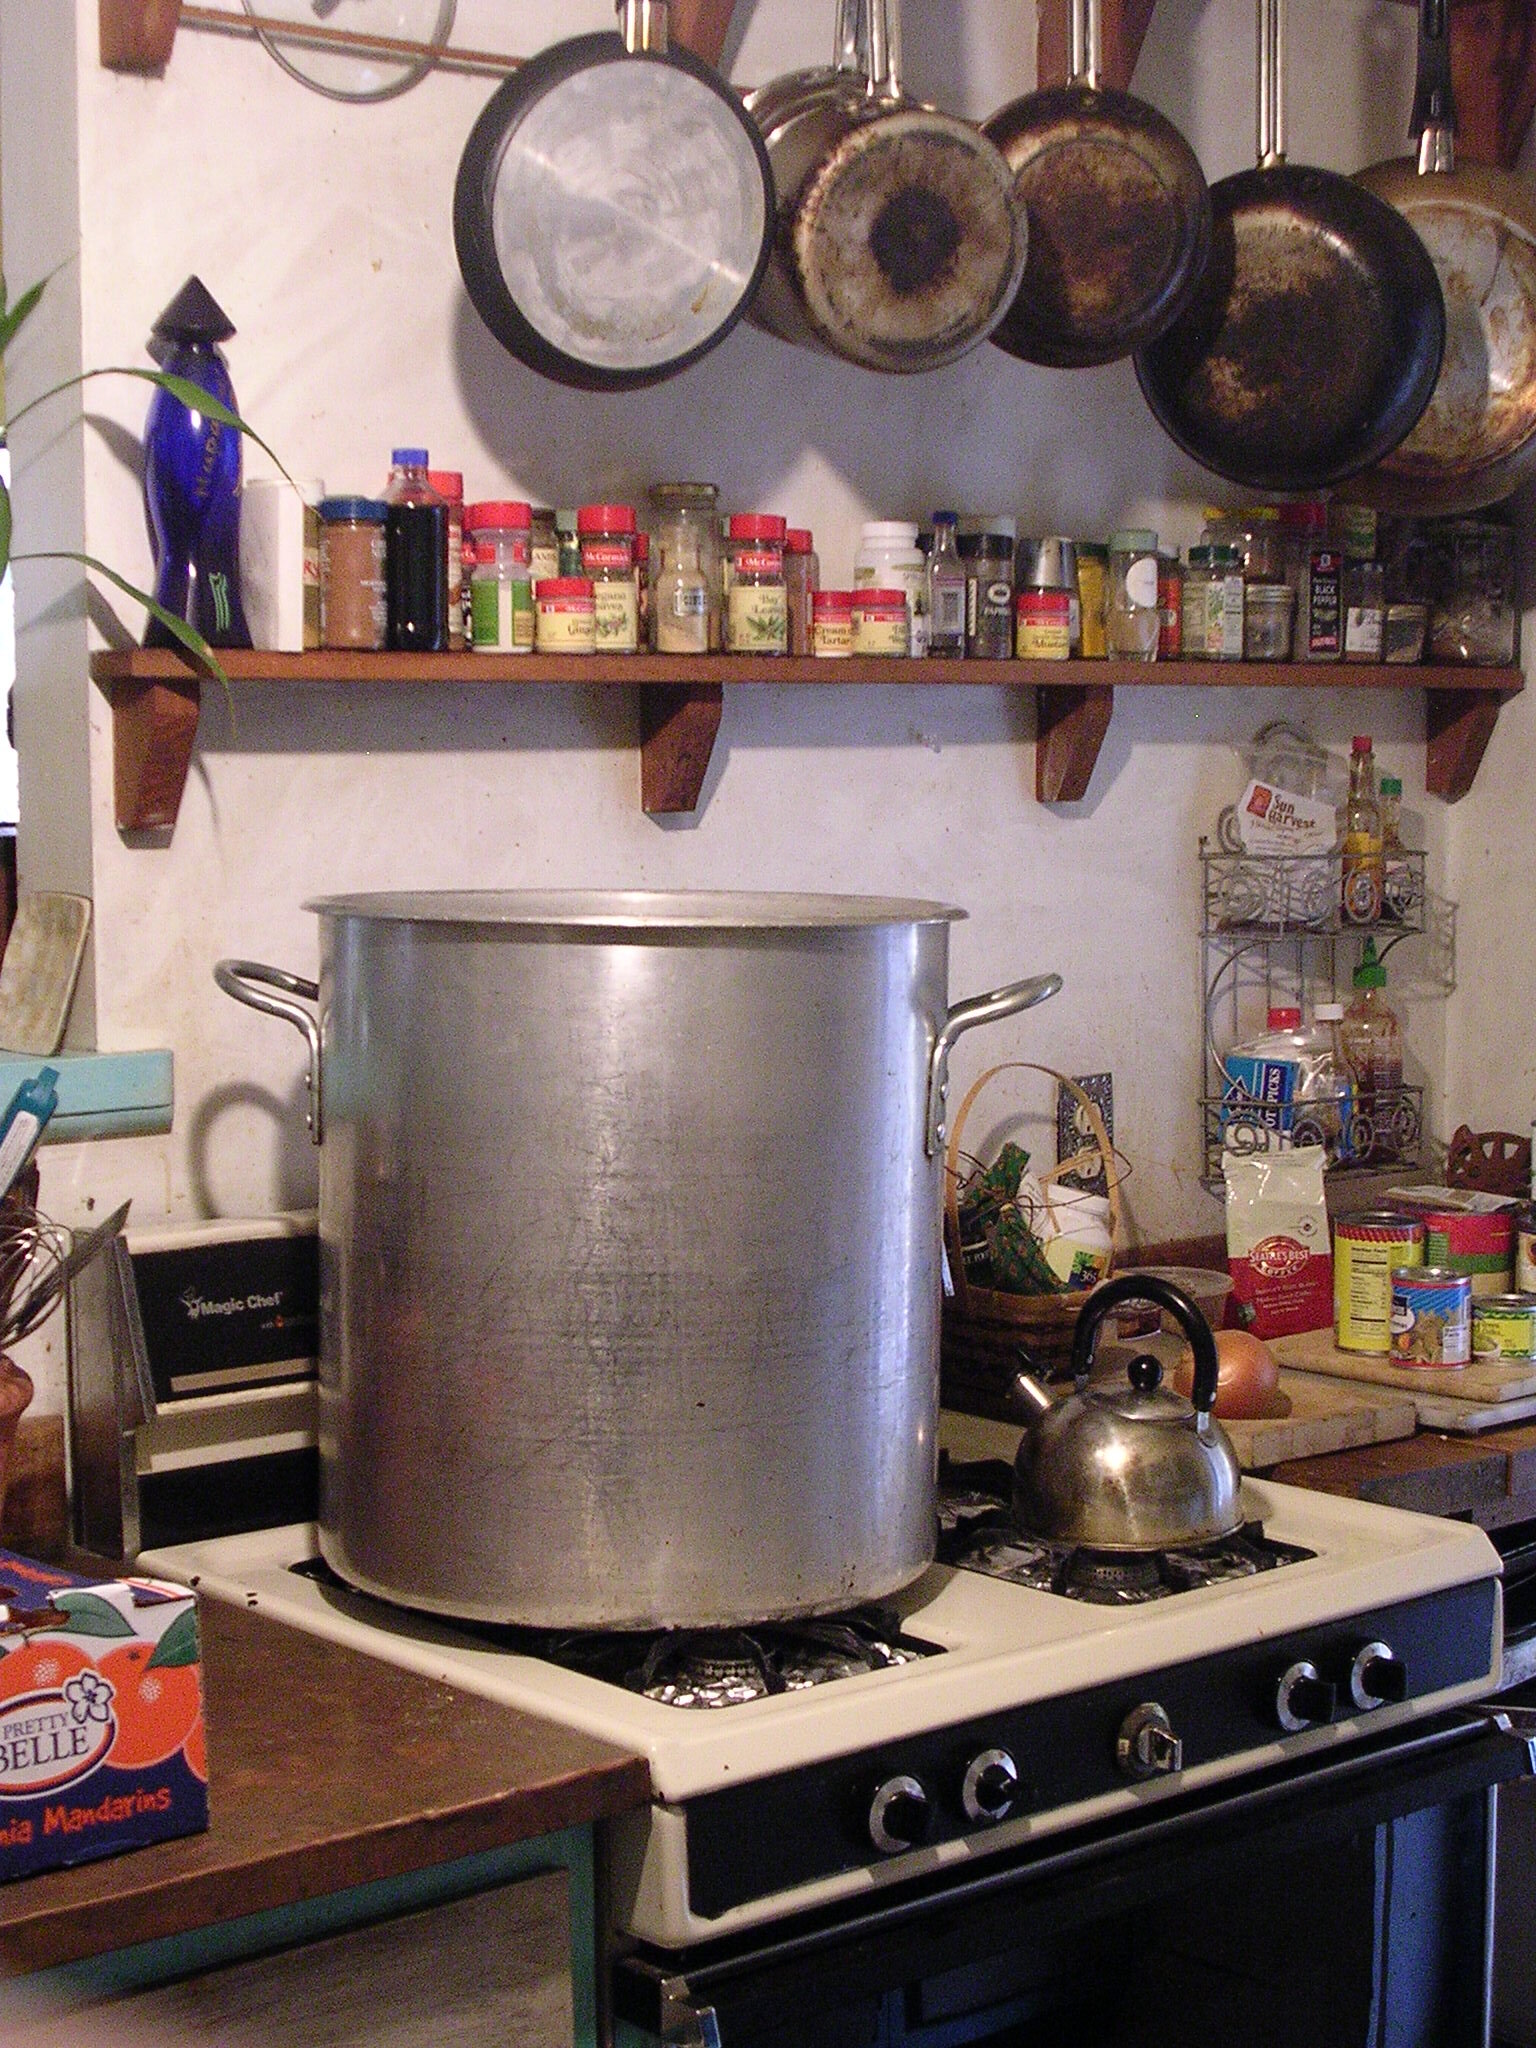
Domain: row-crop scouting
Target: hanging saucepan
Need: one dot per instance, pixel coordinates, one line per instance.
(1119, 215)
(614, 208)
(1315, 338)
(900, 242)
(1477, 441)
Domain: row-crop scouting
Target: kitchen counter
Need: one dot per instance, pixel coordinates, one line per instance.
(328, 1770)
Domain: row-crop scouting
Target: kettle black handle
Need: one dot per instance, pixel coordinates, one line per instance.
(1150, 1287)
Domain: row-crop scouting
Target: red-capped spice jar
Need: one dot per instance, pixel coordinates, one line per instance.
(832, 624)
(757, 605)
(449, 486)
(880, 622)
(1044, 625)
(565, 615)
(605, 535)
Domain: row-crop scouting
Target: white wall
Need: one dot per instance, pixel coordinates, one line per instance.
(324, 231)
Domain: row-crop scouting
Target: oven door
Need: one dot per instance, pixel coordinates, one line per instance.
(1340, 1901)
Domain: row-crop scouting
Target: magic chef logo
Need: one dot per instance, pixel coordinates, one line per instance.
(53, 1737)
(197, 1307)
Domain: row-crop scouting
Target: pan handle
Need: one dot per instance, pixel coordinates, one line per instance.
(883, 24)
(850, 39)
(235, 977)
(989, 1009)
(1271, 83)
(1434, 103)
(1087, 60)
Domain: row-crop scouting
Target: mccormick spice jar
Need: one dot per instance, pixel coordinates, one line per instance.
(606, 537)
(1045, 625)
(832, 624)
(500, 584)
(987, 550)
(881, 622)
(757, 604)
(352, 594)
(565, 616)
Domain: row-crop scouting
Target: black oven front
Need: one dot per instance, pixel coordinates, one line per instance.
(1337, 1901)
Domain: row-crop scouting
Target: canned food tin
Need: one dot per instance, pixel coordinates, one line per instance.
(1478, 1243)
(1431, 1316)
(1504, 1326)
(1367, 1250)
(1525, 1250)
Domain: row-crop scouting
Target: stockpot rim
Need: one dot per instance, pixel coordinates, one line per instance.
(633, 912)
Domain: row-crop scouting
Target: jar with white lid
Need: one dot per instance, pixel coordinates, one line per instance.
(889, 558)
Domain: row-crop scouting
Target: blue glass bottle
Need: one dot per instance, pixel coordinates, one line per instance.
(192, 479)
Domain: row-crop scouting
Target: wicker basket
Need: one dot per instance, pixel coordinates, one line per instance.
(984, 1328)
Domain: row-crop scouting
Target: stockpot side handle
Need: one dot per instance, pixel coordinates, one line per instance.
(247, 981)
(988, 1009)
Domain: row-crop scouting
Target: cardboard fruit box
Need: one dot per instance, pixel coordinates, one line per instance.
(101, 1716)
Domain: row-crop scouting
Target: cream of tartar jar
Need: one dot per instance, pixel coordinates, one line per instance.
(880, 622)
(565, 616)
(832, 624)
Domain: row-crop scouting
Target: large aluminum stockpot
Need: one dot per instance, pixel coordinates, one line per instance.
(630, 1240)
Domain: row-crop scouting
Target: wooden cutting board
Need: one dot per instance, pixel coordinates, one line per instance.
(1484, 1380)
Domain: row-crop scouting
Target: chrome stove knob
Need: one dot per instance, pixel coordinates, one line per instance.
(992, 1788)
(899, 1815)
(1377, 1678)
(1304, 1698)
(1146, 1746)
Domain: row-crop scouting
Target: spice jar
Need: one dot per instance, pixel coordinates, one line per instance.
(1045, 625)
(757, 609)
(606, 535)
(1170, 605)
(643, 586)
(352, 593)
(987, 548)
(802, 577)
(889, 558)
(544, 542)
(1267, 613)
(687, 530)
(832, 624)
(1093, 598)
(565, 615)
(1471, 572)
(449, 486)
(880, 621)
(500, 584)
(1134, 619)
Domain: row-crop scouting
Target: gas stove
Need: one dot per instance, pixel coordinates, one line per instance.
(976, 1714)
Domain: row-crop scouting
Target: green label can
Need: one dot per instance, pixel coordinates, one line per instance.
(1504, 1326)
(1367, 1249)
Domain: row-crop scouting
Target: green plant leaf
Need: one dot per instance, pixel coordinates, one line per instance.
(191, 395)
(5, 526)
(179, 1643)
(11, 316)
(188, 636)
(90, 1615)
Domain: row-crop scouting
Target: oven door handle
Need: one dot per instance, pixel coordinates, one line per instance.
(684, 2023)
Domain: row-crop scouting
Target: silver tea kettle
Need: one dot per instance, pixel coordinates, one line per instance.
(1128, 1467)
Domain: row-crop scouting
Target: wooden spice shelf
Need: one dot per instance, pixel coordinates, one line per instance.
(156, 697)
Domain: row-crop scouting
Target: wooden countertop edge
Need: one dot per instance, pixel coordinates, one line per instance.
(189, 1888)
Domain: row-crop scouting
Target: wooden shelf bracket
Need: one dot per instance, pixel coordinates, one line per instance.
(679, 723)
(1070, 727)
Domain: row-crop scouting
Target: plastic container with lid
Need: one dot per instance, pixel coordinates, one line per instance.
(1093, 598)
(353, 610)
(565, 615)
(881, 621)
(832, 624)
(889, 558)
(757, 602)
(501, 578)
(802, 577)
(1372, 1042)
(1135, 618)
(606, 535)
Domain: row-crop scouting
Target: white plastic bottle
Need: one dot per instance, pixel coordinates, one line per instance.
(889, 558)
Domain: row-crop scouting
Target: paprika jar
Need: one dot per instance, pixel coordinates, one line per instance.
(565, 615)
(605, 535)
(757, 605)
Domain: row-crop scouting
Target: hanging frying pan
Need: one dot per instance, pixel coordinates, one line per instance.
(614, 208)
(900, 243)
(1119, 215)
(1477, 441)
(1315, 338)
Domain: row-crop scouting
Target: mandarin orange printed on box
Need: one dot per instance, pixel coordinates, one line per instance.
(101, 1716)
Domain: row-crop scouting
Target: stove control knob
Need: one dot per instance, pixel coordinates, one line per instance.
(1304, 1698)
(898, 1815)
(991, 1789)
(1377, 1678)
(1146, 1746)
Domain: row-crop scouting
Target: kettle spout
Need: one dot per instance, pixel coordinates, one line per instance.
(1031, 1397)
